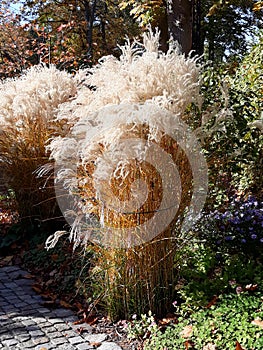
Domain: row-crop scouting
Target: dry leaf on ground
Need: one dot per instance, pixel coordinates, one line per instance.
(258, 322)
(187, 331)
(238, 346)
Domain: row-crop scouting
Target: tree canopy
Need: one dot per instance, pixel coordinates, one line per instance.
(76, 33)
(218, 28)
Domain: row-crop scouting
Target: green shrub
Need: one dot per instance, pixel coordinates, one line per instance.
(230, 320)
(233, 140)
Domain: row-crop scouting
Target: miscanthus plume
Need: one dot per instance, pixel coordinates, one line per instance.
(28, 107)
(144, 93)
(29, 104)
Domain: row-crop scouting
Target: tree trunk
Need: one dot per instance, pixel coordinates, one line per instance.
(197, 36)
(90, 10)
(163, 26)
(180, 22)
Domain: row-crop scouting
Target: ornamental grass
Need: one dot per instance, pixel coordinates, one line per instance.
(28, 106)
(113, 187)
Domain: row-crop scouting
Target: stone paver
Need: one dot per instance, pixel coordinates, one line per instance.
(25, 324)
(109, 346)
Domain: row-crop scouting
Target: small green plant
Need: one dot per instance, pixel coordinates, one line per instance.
(234, 318)
(143, 327)
(201, 276)
(205, 273)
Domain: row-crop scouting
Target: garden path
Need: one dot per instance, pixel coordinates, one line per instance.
(26, 324)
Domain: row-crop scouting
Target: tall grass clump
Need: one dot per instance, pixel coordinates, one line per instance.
(140, 96)
(28, 106)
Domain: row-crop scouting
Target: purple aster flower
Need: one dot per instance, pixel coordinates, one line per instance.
(261, 240)
(234, 221)
(243, 240)
(254, 236)
(228, 238)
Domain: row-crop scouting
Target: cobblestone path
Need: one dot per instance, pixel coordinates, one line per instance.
(26, 324)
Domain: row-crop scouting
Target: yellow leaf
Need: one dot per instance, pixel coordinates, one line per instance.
(212, 10)
(136, 10)
(258, 6)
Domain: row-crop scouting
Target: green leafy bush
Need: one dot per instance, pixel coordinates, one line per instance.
(233, 318)
(219, 303)
(233, 140)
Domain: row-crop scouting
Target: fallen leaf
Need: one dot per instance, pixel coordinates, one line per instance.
(48, 296)
(37, 288)
(167, 320)
(187, 332)
(79, 306)
(95, 344)
(251, 287)
(79, 321)
(50, 304)
(65, 304)
(91, 320)
(238, 346)
(212, 302)
(28, 276)
(80, 330)
(258, 322)
(7, 260)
